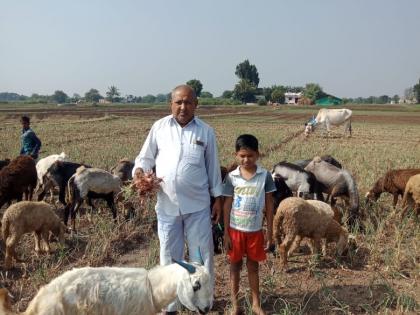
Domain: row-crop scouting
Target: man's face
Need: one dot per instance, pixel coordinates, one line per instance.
(183, 106)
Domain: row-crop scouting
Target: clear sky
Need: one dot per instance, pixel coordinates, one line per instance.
(351, 48)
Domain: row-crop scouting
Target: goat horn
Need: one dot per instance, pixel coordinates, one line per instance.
(190, 268)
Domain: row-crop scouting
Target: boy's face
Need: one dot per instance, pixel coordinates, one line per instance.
(247, 157)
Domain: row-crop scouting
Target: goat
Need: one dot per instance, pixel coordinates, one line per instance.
(93, 183)
(123, 170)
(326, 158)
(44, 164)
(298, 180)
(121, 291)
(393, 182)
(59, 174)
(26, 217)
(17, 178)
(338, 183)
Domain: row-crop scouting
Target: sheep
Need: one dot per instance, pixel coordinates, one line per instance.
(411, 195)
(92, 183)
(123, 170)
(337, 183)
(327, 158)
(26, 217)
(4, 162)
(17, 178)
(121, 291)
(44, 164)
(297, 218)
(59, 174)
(393, 182)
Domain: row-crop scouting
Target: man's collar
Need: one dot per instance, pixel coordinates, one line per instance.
(193, 120)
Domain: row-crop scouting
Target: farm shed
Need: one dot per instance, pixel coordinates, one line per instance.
(328, 100)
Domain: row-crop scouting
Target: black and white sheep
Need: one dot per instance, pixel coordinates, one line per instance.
(93, 183)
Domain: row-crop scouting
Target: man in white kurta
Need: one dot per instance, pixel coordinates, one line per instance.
(183, 150)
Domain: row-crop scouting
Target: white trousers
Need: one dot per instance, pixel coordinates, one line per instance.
(195, 230)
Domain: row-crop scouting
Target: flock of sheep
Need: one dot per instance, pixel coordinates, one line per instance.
(308, 215)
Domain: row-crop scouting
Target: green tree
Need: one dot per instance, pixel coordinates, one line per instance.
(244, 91)
(148, 98)
(206, 94)
(267, 93)
(396, 98)
(277, 94)
(196, 85)
(76, 97)
(246, 71)
(59, 96)
(92, 95)
(227, 94)
(113, 95)
(161, 98)
(416, 90)
(313, 91)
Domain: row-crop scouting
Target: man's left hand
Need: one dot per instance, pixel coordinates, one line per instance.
(217, 210)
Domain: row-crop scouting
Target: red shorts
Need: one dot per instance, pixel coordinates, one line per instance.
(249, 244)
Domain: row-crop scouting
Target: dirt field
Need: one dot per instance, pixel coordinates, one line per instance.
(380, 275)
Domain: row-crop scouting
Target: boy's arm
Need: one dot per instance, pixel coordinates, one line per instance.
(269, 213)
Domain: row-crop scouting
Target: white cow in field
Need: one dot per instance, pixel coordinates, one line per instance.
(330, 117)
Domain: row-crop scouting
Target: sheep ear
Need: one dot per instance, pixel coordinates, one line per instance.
(190, 268)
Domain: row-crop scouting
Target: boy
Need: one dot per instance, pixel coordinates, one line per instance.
(30, 142)
(247, 191)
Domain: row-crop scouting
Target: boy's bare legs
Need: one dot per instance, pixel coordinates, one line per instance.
(235, 270)
(254, 284)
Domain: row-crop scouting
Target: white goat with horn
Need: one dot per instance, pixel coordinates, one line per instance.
(121, 291)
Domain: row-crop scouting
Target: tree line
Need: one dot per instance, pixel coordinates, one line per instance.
(246, 90)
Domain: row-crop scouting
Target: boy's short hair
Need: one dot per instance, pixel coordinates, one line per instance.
(25, 119)
(246, 142)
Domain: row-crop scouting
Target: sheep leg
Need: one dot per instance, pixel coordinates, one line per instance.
(44, 237)
(37, 236)
(295, 245)
(111, 204)
(395, 200)
(317, 244)
(10, 251)
(73, 214)
(284, 249)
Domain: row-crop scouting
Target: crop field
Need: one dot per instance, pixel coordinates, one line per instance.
(381, 274)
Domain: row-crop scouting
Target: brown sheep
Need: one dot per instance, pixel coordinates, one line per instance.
(412, 195)
(393, 182)
(17, 178)
(3, 163)
(297, 218)
(26, 217)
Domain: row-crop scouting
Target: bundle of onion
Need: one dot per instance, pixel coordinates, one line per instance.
(147, 185)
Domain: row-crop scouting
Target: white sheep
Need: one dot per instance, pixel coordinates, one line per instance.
(297, 218)
(27, 217)
(91, 183)
(121, 291)
(411, 196)
(44, 164)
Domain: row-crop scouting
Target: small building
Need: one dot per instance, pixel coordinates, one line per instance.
(292, 98)
(328, 100)
(104, 101)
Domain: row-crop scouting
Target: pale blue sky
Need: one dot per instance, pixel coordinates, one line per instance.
(351, 48)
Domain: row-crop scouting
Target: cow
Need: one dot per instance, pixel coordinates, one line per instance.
(328, 117)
